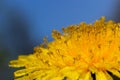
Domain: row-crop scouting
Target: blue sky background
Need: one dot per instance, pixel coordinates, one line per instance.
(42, 16)
(45, 15)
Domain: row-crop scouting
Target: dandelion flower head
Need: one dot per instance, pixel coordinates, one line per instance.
(77, 53)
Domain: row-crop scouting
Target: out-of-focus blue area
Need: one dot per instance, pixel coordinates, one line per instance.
(23, 23)
(39, 17)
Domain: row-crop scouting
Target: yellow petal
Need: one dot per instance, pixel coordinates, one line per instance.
(108, 76)
(100, 75)
(86, 76)
(23, 78)
(115, 72)
(16, 63)
(21, 72)
(57, 78)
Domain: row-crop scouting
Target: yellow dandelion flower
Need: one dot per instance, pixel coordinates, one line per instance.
(78, 53)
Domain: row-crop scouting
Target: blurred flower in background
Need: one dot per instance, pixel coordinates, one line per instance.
(23, 23)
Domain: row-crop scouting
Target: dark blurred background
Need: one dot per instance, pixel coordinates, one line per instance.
(23, 23)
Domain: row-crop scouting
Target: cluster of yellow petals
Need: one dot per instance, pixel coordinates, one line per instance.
(78, 53)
